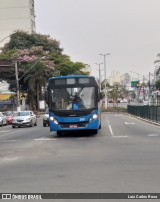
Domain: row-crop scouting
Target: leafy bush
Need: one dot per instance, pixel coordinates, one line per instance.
(114, 109)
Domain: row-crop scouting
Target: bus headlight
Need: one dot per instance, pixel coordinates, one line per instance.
(53, 119)
(94, 116)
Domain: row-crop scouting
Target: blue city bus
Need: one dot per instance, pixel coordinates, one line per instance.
(74, 103)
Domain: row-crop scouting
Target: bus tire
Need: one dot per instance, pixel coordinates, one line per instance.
(59, 133)
(100, 126)
(95, 131)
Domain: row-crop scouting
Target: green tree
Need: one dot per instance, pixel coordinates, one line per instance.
(103, 87)
(23, 40)
(26, 49)
(36, 79)
(117, 91)
(68, 67)
(114, 93)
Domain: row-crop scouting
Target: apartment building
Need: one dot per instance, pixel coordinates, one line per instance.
(115, 77)
(125, 79)
(16, 15)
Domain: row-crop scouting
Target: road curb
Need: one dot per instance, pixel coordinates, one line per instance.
(145, 120)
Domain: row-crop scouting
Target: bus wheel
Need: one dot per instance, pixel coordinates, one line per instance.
(95, 131)
(59, 133)
(100, 126)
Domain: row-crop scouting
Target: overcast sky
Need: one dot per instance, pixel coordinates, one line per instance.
(128, 29)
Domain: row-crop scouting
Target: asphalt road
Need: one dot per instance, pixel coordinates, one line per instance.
(123, 158)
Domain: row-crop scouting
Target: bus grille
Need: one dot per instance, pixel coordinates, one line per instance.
(72, 113)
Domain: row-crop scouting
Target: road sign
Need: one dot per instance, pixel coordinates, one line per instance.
(135, 84)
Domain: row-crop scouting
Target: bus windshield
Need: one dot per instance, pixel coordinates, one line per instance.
(72, 98)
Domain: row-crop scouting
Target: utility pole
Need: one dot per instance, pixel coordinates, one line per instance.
(105, 79)
(17, 85)
(149, 88)
(143, 89)
(99, 64)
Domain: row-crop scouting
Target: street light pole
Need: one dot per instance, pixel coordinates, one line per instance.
(99, 64)
(31, 67)
(17, 86)
(105, 80)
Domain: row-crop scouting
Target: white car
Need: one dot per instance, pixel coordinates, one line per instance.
(145, 102)
(3, 119)
(24, 118)
(124, 100)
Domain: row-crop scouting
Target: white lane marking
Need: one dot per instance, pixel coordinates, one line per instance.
(13, 140)
(10, 133)
(52, 133)
(144, 121)
(81, 138)
(8, 159)
(111, 131)
(153, 135)
(118, 114)
(4, 131)
(44, 139)
(120, 136)
(129, 123)
(107, 121)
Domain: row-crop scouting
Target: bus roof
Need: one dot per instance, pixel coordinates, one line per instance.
(72, 76)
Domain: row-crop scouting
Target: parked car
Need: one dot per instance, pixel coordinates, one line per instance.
(9, 116)
(3, 119)
(24, 118)
(119, 100)
(110, 101)
(124, 100)
(46, 118)
(145, 102)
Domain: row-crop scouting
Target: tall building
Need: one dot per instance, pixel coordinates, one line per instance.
(125, 79)
(115, 77)
(16, 15)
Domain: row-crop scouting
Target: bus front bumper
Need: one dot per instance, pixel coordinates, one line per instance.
(74, 126)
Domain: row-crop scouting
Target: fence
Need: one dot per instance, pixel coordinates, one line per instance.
(151, 113)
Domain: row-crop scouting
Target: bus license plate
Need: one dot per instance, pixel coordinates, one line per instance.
(73, 126)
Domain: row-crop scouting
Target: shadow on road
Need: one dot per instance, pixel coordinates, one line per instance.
(74, 134)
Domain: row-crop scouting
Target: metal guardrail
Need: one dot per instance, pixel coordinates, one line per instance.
(151, 113)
